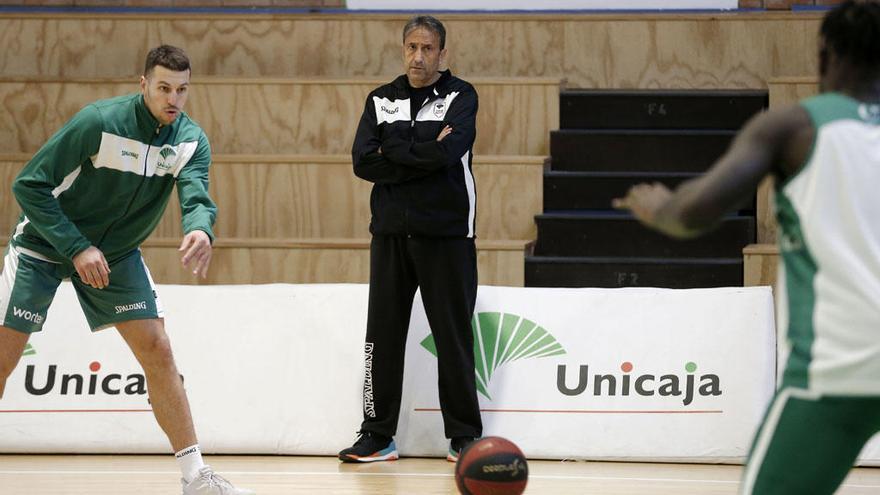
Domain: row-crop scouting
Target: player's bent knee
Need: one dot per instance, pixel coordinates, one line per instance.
(12, 344)
(7, 364)
(159, 353)
(154, 352)
(5, 370)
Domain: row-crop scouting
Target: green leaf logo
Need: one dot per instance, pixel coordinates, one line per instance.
(166, 152)
(500, 338)
(29, 350)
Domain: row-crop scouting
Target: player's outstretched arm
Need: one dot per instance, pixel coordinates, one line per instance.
(770, 142)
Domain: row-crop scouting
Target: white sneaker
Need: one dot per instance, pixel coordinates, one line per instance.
(208, 483)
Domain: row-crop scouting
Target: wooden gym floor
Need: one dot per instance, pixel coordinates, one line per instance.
(158, 475)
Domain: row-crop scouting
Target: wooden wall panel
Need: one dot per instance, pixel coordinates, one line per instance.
(264, 265)
(501, 267)
(790, 90)
(319, 197)
(9, 209)
(605, 51)
(509, 195)
(291, 200)
(760, 265)
(784, 4)
(284, 116)
(253, 263)
(724, 53)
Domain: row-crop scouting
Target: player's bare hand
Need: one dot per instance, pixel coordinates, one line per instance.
(196, 249)
(643, 200)
(445, 132)
(92, 267)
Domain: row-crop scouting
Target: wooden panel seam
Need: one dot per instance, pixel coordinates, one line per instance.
(268, 243)
(225, 158)
(242, 81)
(446, 17)
(794, 80)
(760, 249)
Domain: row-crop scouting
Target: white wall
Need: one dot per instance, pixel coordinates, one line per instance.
(278, 369)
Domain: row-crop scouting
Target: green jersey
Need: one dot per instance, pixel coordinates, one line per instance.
(104, 180)
(829, 215)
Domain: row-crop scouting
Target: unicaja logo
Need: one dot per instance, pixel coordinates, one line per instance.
(50, 380)
(37, 382)
(166, 154)
(500, 338)
(629, 382)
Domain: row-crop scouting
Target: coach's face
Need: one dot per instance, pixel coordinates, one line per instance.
(165, 93)
(422, 57)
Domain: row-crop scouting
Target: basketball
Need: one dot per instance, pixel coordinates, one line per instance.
(491, 466)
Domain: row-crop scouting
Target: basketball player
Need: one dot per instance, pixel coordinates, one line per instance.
(825, 156)
(89, 197)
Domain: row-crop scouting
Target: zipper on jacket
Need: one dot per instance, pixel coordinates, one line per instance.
(136, 191)
(412, 124)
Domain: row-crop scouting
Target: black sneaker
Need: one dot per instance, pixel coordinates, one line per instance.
(370, 447)
(456, 445)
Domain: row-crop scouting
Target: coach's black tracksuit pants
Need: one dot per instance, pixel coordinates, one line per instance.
(446, 271)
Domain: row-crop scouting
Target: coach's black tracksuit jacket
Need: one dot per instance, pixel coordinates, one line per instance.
(423, 208)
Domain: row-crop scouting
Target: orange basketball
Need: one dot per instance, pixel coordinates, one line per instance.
(491, 466)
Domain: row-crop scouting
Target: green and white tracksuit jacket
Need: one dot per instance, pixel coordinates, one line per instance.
(104, 180)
